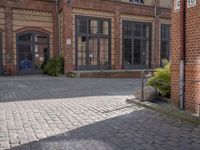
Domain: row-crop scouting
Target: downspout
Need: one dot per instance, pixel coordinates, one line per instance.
(58, 20)
(182, 53)
(156, 30)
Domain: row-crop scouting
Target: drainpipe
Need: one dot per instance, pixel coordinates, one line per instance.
(182, 53)
(156, 30)
(58, 19)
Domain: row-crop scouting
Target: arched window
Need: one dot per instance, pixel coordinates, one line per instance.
(32, 51)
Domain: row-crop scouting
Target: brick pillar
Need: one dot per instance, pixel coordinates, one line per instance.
(55, 33)
(10, 68)
(117, 39)
(156, 54)
(192, 58)
(68, 34)
(175, 56)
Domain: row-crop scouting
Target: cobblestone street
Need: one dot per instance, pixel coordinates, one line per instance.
(47, 113)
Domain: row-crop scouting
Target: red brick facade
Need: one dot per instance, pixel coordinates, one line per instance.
(8, 7)
(116, 11)
(192, 58)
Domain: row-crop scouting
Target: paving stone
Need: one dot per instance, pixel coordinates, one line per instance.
(86, 114)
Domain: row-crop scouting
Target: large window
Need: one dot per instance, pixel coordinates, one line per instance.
(136, 45)
(92, 43)
(32, 52)
(1, 54)
(165, 42)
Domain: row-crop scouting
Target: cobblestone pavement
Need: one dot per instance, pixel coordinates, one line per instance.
(83, 121)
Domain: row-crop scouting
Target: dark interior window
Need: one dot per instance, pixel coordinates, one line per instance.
(136, 48)
(165, 42)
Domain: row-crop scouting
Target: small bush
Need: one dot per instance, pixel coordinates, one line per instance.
(54, 66)
(161, 79)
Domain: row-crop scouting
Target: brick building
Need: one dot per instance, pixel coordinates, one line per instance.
(191, 58)
(90, 34)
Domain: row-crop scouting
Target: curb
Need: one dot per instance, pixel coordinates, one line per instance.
(182, 115)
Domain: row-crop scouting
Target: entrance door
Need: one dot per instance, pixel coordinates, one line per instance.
(1, 54)
(32, 52)
(93, 43)
(136, 48)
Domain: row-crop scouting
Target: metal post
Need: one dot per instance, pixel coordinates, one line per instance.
(142, 86)
(181, 85)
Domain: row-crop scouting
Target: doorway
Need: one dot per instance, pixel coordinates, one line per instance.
(32, 52)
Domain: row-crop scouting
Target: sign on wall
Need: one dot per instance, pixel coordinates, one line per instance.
(190, 3)
(68, 42)
(177, 5)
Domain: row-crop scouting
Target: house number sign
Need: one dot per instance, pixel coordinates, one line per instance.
(190, 3)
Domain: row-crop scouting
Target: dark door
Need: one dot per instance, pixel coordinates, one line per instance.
(32, 52)
(1, 54)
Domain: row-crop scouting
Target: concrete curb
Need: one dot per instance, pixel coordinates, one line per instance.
(182, 115)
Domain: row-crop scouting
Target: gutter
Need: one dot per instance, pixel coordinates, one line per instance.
(182, 54)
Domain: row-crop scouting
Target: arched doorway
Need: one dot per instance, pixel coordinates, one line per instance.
(32, 52)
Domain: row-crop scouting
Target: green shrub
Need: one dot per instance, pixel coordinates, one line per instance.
(54, 66)
(161, 79)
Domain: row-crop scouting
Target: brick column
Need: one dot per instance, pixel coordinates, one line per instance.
(68, 34)
(55, 33)
(10, 68)
(117, 39)
(156, 54)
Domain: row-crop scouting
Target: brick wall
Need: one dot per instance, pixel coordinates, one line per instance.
(2, 29)
(32, 20)
(41, 14)
(18, 15)
(116, 12)
(192, 68)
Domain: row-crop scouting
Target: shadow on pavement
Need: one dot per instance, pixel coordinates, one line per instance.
(137, 130)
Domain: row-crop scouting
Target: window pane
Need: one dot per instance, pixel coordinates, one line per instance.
(41, 55)
(93, 26)
(145, 30)
(165, 42)
(164, 50)
(82, 25)
(93, 51)
(40, 38)
(103, 27)
(127, 52)
(25, 37)
(137, 52)
(127, 28)
(137, 30)
(104, 51)
(81, 50)
(25, 57)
